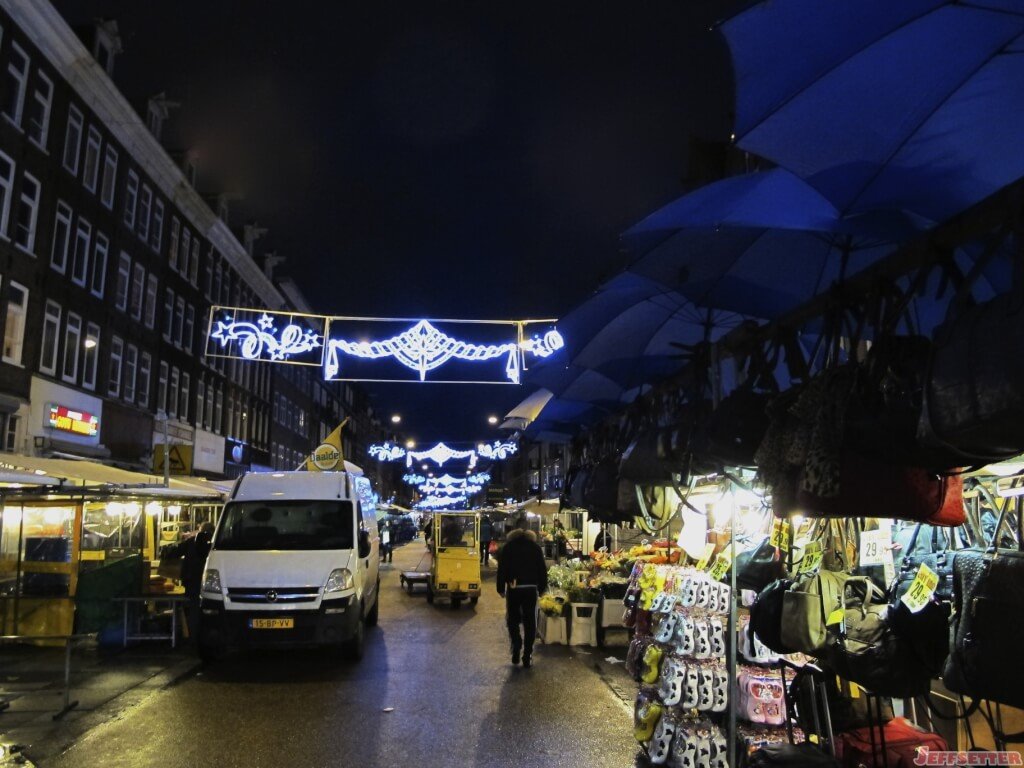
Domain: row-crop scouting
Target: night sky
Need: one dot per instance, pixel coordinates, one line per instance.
(436, 159)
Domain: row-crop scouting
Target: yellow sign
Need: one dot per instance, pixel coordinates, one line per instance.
(180, 456)
(721, 565)
(811, 560)
(780, 534)
(702, 564)
(328, 456)
(921, 589)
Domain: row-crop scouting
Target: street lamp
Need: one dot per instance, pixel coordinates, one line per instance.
(89, 343)
(410, 444)
(396, 419)
(492, 419)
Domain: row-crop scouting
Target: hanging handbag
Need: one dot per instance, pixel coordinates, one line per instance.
(735, 429)
(938, 556)
(759, 567)
(803, 755)
(986, 631)
(642, 462)
(766, 616)
(904, 743)
(806, 607)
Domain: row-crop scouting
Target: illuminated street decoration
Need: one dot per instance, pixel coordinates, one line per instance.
(387, 452)
(496, 450)
(446, 484)
(414, 479)
(440, 454)
(261, 338)
(423, 348)
(355, 348)
(441, 502)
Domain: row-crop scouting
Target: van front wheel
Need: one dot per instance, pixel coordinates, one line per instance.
(374, 614)
(354, 646)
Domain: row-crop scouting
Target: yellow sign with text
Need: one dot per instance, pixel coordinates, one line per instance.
(329, 455)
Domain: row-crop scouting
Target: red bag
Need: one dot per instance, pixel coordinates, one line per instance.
(883, 489)
(904, 741)
(492, 548)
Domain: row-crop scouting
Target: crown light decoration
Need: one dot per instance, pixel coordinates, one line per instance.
(422, 347)
(441, 453)
(496, 450)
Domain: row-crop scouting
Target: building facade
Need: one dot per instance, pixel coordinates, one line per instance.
(109, 263)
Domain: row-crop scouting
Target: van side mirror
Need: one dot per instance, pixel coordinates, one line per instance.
(364, 544)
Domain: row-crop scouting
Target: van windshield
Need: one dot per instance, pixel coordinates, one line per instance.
(286, 525)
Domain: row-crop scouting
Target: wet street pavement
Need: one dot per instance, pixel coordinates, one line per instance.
(456, 701)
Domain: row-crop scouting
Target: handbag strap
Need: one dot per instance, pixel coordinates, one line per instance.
(1010, 501)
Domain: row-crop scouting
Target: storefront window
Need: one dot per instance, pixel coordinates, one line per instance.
(35, 550)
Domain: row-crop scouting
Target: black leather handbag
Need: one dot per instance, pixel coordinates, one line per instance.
(759, 567)
(735, 429)
(766, 615)
(803, 755)
(938, 557)
(986, 632)
(974, 398)
(645, 463)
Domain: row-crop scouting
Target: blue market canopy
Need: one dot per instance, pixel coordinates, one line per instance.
(760, 244)
(913, 106)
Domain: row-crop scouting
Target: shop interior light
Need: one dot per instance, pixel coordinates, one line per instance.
(115, 509)
(53, 516)
(174, 510)
(153, 508)
(132, 509)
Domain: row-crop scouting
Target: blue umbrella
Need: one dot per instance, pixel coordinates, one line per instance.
(760, 244)
(916, 105)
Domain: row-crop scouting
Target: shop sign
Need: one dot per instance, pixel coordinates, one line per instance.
(326, 457)
(237, 451)
(179, 456)
(69, 420)
(209, 452)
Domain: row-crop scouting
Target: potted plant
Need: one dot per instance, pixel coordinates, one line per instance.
(553, 626)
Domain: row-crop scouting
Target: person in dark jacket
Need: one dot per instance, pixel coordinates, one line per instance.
(486, 536)
(197, 549)
(522, 578)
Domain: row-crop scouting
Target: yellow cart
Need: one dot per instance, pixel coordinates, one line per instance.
(455, 570)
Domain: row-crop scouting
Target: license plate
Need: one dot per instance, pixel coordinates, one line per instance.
(271, 623)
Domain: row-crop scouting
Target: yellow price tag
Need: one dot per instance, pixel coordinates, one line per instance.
(811, 561)
(721, 565)
(836, 617)
(921, 589)
(780, 535)
(702, 564)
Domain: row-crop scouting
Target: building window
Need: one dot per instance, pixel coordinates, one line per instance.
(61, 237)
(145, 364)
(208, 274)
(186, 244)
(151, 289)
(109, 177)
(91, 355)
(14, 84)
(208, 417)
(193, 266)
(183, 400)
(145, 207)
(190, 322)
(99, 265)
(80, 257)
(179, 320)
(131, 361)
(6, 187)
(116, 355)
(157, 232)
(14, 327)
(73, 140)
(172, 393)
(172, 251)
(218, 412)
(72, 345)
(218, 276)
(51, 327)
(11, 433)
(168, 313)
(28, 211)
(161, 389)
(91, 167)
(138, 289)
(200, 399)
(131, 198)
(39, 111)
(124, 269)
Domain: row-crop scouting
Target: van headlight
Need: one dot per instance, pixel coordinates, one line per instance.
(339, 580)
(211, 581)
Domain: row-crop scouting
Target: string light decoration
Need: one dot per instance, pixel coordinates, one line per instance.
(450, 485)
(387, 452)
(261, 338)
(441, 502)
(414, 479)
(496, 450)
(440, 454)
(422, 347)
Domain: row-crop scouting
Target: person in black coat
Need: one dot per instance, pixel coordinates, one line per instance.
(197, 549)
(522, 578)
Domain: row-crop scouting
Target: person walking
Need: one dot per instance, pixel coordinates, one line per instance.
(387, 551)
(522, 578)
(197, 549)
(486, 537)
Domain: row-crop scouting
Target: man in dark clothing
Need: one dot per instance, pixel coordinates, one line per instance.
(486, 536)
(522, 578)
(197, 549)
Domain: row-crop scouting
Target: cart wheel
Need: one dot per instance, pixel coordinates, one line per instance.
(456, 602)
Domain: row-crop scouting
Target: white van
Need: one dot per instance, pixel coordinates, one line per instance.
(294, 561)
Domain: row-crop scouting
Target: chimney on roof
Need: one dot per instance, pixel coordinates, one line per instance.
(158, 109)
(250, 234)
(106, 44)
(271, 260)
